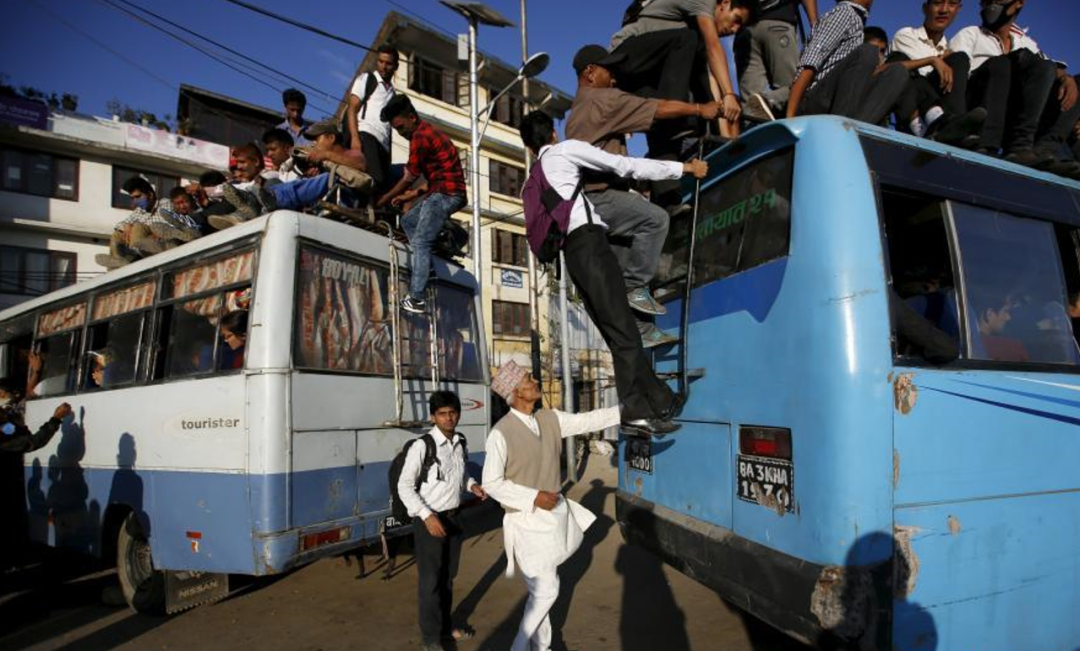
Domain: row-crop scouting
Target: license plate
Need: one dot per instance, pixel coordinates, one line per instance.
(639, 456)
(768, 482)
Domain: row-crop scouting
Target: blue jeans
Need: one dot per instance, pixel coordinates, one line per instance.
(422, 224)
(296, 195)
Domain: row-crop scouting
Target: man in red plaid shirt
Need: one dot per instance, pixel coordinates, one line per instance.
(435, 158)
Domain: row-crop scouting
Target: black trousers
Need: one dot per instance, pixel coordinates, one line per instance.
(669, 64)
(437, 564)
(924, 93)
(1014, 90)
(599, 279)
(1056, 126)
(853, 90)
(378, 161)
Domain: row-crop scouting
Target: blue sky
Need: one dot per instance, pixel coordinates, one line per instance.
(37, 49)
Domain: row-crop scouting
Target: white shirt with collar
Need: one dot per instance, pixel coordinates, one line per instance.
(441, 490)
(981, 44)
(917, 44)
(369, 121)
(563, 162)
(537, 540)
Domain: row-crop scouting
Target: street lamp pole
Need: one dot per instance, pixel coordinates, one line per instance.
(474, 150)
(534, 285)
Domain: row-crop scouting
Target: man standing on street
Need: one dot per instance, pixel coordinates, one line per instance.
(370, 93)
(541, 529)
(432, 499)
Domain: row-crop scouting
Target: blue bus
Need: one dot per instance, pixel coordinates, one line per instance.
(831, 479)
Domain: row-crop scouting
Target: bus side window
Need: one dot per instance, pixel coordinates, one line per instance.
(116, 338)
(57, 345)
(458, 335)
(1069, 245)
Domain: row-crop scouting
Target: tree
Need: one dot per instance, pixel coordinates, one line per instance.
(139, 116)
(67, 101)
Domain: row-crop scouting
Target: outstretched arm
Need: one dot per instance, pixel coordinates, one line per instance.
(586, 156)
(590, 421)
(718, 66)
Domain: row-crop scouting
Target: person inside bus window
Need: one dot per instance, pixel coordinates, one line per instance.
(993, 313)
(45, 379)
(234, 327)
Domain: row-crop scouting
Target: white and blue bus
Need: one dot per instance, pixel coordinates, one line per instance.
(195, 450)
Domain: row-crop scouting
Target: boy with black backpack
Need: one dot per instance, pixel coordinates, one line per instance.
(429, 487)
(558, 216)
(368, 131)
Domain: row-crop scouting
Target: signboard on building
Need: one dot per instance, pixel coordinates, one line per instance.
(23, 112)
(157, 141)
(511, 278)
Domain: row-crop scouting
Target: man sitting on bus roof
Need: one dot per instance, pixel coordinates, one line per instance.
(840, 74)
(151, 228)
(280, 166)
(648, 403)
(433, 156)
(1031, 101)
(602, 115)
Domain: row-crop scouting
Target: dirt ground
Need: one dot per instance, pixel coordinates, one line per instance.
(614, 596)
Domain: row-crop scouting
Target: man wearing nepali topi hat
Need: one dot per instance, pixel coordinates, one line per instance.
(541, 528)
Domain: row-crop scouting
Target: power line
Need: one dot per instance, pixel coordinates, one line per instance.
(226, 48)
(297, 23)
(417, 16)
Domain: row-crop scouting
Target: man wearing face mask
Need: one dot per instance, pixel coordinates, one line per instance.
(1020, 88)
(147, 230)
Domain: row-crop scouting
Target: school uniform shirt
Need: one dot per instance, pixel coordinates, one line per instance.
(536, 540)
(564, 162)
(369, 120)
(441, 490)
(660, 15)
(916, 44)
(838, 33)
(981, 44)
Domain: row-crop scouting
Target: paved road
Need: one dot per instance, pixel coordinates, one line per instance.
(614, 597)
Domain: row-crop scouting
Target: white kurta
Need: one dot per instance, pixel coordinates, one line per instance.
(536, 540)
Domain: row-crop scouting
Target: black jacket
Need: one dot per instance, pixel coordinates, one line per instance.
(23, 441)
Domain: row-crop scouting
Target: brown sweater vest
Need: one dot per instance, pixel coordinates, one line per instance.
(531, 460)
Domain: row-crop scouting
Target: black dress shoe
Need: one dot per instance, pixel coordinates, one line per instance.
(674, 410)
(1030, 158)
(650, 426)
(953, 129)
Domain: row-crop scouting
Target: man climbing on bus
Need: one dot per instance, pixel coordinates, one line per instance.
(430, 486)
(602, 115)
(541, 528)
(648, 403)
(434, 157)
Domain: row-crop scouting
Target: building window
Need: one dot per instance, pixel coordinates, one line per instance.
(34, 272)
(435, 81)
(509, 319)
(40, 174)
(506, 179)
(162, 184)
(509, 109)
(509, 248)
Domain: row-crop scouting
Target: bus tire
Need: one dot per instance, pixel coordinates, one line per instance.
(142, 585)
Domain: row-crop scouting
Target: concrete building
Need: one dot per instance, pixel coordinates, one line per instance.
(60, 190)
(437, 82)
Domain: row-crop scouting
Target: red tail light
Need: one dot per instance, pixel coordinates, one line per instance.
(773, 442)
(313, 540)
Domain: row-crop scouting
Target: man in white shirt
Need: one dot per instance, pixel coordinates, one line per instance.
(280, 165)
(937, 93)
(648, 403)
(370, 93)
(1019, 87)
(432, 499)
(541, 528)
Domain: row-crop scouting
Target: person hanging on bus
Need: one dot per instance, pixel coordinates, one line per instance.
(668, 49)
(1030, 100)
(648, 404)
(433, 156)
(147, 230)
(840, 74)
(16, 438)
(541, 528)
(602, 116)
(766, 55)
(233, 328)
(432, 501)
(367, 130)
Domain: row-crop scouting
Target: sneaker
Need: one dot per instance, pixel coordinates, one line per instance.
(414, 306)
(1029, 158)
(165, 231)
(150, 245)
(642, 300)
(651, 336)
(246, 205)
(756, 109)
(268, 200)
(953, 129)
(111, 261)
(221, 222)
(650, 426)
(679, 210)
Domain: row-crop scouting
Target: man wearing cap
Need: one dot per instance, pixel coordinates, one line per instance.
(541, 528)
(602, 115)
(327, 147)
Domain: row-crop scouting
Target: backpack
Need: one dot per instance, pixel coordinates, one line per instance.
(547, 215)
(369, 87)
(633, 12)
(397, 508)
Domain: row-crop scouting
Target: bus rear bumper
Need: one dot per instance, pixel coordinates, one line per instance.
(772, 586)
